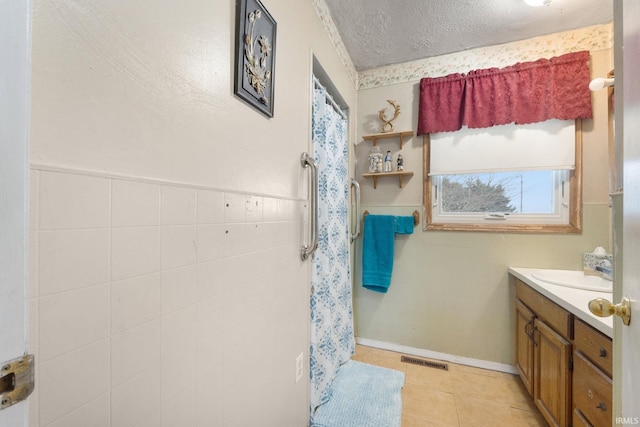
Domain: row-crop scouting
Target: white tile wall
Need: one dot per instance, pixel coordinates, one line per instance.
(134, 252)
(69, 320)
(208, 279)
(72, 259)
(178, 331)
(138, 398)
(72, 380)
(94, 413)
(83, 204)
(178, 246)
(161, 305)
(210, 207)
(210, 238)
(134, 301)
(178, 288)
(134, 351)
(178, 206)
(134, 204)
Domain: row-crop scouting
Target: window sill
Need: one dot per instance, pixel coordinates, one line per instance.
(506, 228)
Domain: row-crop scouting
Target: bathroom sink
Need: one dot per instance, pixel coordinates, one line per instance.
(574, 279)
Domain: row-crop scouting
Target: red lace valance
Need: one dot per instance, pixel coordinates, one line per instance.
(527, 92)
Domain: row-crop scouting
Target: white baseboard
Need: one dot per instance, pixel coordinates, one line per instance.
(477, 363)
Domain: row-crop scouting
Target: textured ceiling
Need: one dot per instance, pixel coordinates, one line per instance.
(383, 32)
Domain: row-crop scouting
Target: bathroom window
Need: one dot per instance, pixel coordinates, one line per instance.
(524, 178)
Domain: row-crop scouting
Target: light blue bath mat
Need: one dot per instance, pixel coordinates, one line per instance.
(363, 396)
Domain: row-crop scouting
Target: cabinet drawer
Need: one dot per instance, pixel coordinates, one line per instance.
(555, 316)
(594, 345)
(592, 391)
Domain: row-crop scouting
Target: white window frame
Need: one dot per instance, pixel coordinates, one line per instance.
(568, 218)
(560, 214)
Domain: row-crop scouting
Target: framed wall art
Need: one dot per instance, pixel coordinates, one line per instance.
(255, 55)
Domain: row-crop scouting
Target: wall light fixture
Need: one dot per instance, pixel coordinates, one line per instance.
(601, 83)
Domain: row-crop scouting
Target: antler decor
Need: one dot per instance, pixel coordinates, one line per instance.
(387, 126)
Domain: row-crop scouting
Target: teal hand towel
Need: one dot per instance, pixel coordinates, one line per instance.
(377, 252)
(404, 225)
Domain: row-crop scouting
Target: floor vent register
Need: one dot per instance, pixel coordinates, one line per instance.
(422, 362)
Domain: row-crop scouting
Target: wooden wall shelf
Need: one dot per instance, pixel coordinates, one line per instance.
(375, 176)
(400, 135)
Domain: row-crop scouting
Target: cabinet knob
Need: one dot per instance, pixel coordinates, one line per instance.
(602, 406)
(603, 352)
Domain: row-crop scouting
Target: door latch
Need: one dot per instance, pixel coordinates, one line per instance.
(16, 380)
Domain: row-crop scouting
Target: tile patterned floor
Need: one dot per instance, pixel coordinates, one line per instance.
(462, 396)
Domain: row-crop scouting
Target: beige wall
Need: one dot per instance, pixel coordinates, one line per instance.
(450, 291)
(166, 216)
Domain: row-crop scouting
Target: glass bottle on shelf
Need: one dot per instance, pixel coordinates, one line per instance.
(375, 160)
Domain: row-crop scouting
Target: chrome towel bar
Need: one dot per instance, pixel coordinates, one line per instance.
(356, 186)
(307, 161)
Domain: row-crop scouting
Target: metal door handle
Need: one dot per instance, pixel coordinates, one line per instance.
(604, 308)
(533, 335)
(306, 250)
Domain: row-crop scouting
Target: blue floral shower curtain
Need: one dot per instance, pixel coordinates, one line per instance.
(332, 336)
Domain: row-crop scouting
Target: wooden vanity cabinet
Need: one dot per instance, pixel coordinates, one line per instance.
(564, 363)
(549, 367)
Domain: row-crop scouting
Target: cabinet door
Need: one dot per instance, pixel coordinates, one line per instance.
(552, 378)
(524, 345)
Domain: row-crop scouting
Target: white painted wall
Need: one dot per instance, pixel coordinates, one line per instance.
(450, 291)
(166, 285)
(147, 90)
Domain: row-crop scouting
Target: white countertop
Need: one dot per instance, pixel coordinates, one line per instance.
(575, 301)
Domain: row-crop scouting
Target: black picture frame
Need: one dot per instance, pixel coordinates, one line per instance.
(255, 55)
